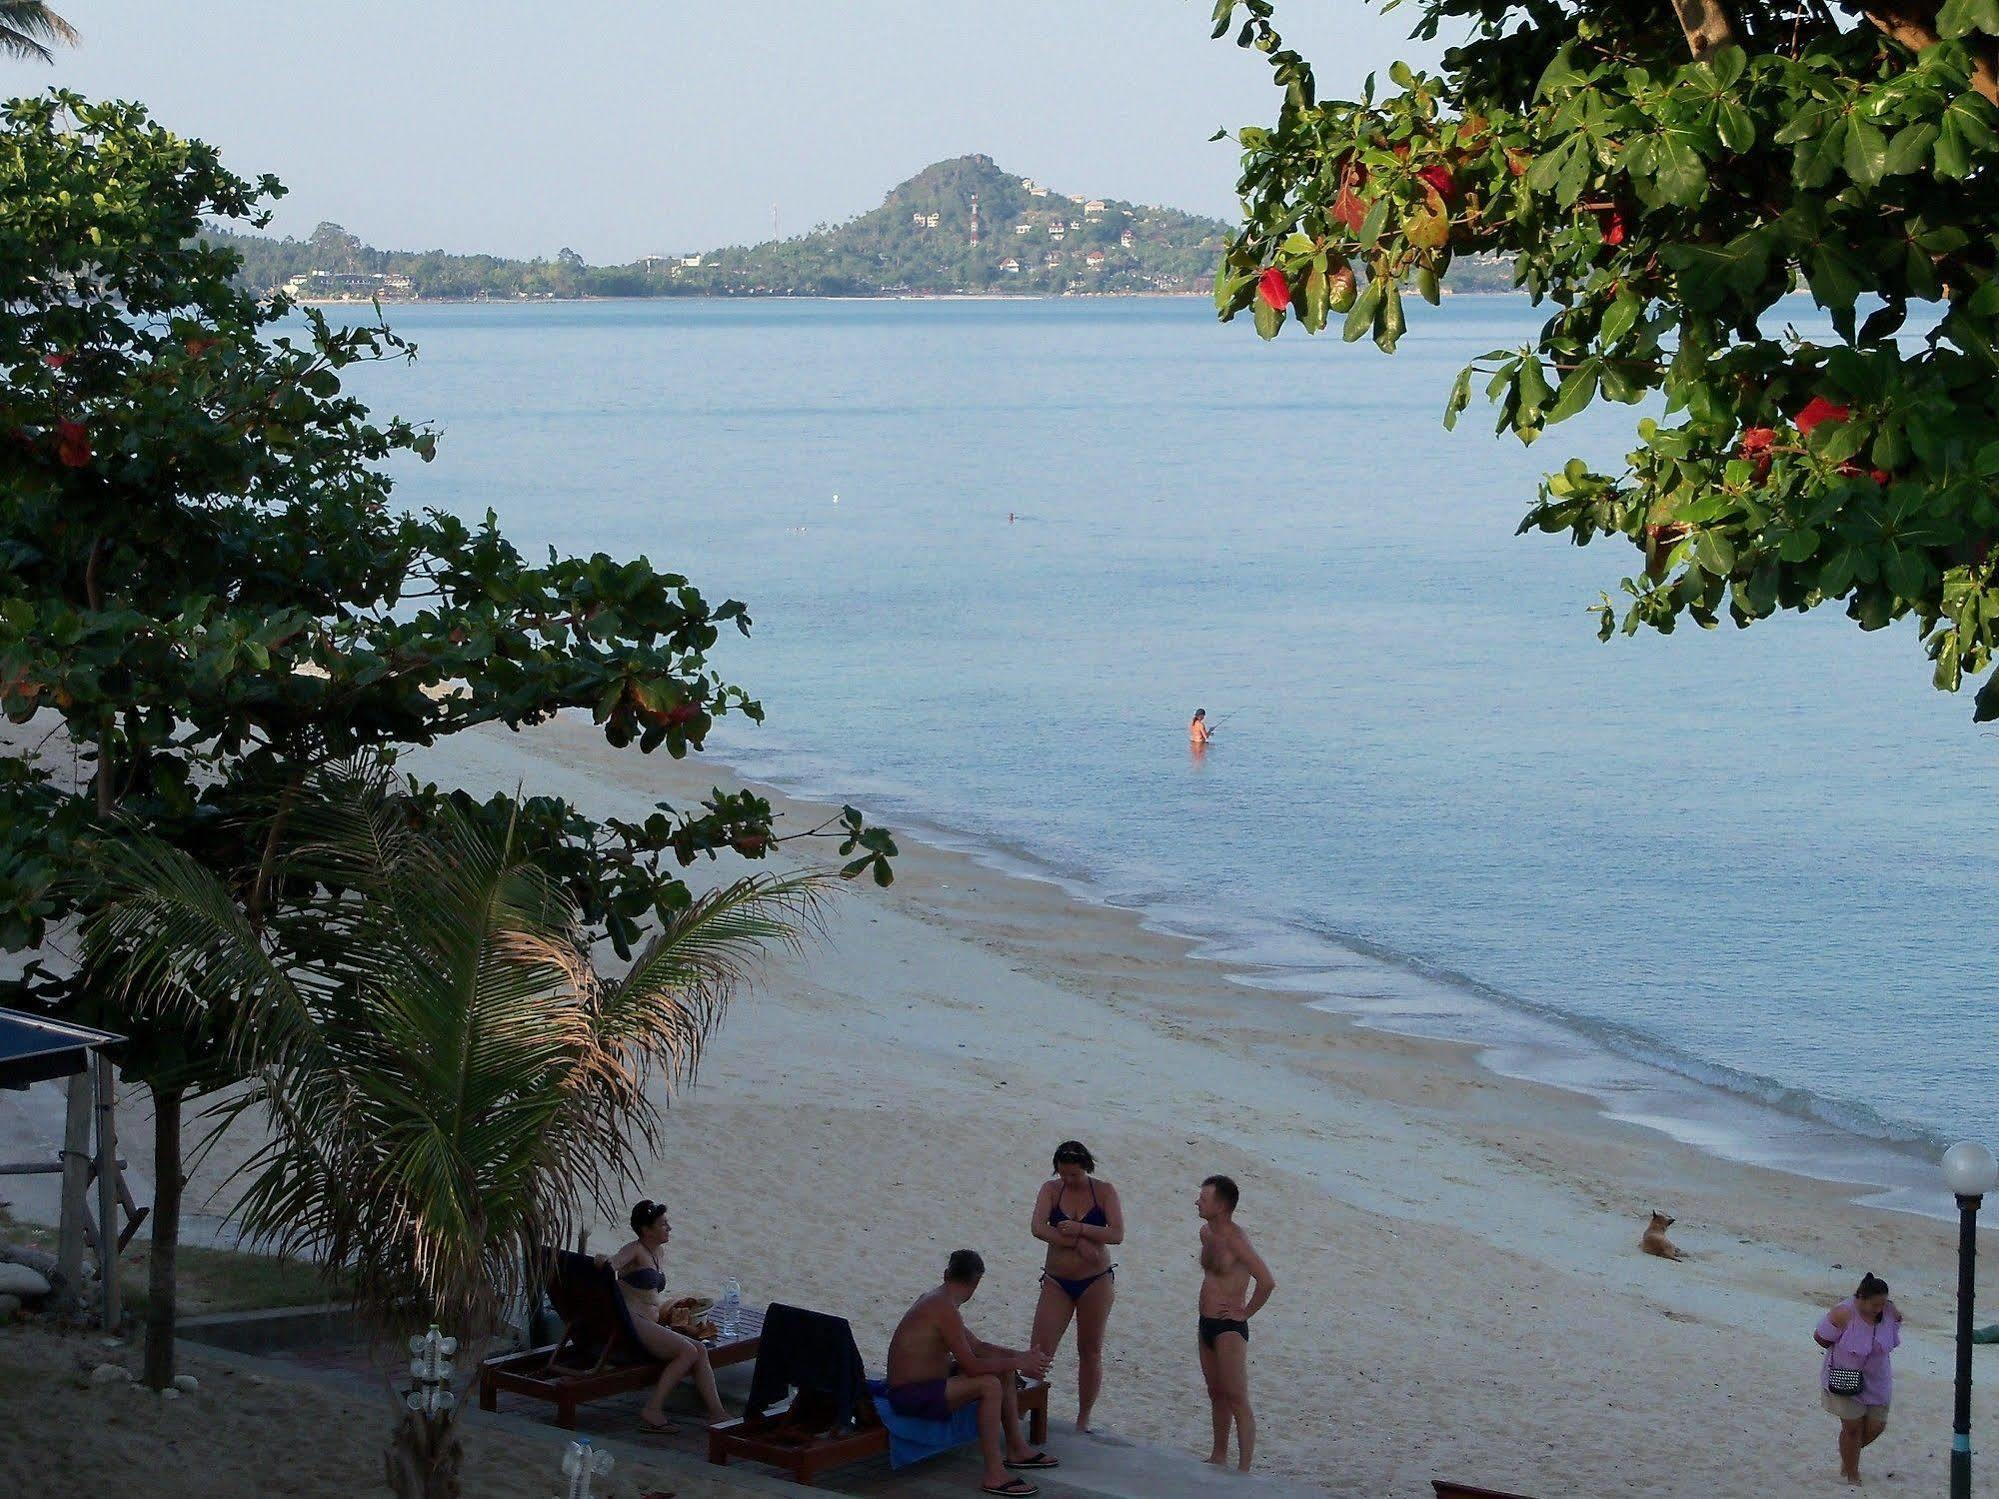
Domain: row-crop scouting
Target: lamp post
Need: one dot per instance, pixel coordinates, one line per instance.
(1970, 1172)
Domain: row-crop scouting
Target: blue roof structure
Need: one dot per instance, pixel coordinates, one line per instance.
(35, 1047)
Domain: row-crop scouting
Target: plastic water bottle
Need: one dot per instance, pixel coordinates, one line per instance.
(732, 1308)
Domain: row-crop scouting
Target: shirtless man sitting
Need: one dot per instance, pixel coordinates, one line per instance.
(1228, 1263)
(935, 1367)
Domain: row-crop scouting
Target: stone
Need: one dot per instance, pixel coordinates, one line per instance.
(21, 1281)
(170, 1393)
(187, 1384)
(110, 1374)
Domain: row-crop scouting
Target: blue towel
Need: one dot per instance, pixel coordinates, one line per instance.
(911, 1440)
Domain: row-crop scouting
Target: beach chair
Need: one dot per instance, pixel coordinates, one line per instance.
(1448, 1490)
(810, 1433)
(598, 1353)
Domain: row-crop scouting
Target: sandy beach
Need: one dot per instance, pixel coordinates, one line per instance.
(1461, 1293)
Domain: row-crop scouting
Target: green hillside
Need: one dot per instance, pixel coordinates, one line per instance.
(1031, 241)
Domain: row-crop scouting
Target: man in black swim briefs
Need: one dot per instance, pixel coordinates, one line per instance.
(935, 1367)
(1228, 1263)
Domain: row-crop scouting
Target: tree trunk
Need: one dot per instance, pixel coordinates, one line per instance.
(161, 1288)
(425, 1456)
(1706, 24)
(1913, 24)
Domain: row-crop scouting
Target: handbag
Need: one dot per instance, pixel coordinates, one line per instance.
(1843, 1382)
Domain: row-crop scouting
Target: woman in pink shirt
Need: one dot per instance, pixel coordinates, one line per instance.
(1855, 1380)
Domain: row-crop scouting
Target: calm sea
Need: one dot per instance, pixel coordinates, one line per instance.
(997, 552)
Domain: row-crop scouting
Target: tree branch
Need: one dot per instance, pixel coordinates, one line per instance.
(1706, 24)
(1913, 24)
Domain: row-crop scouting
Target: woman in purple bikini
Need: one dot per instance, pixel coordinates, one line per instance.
(1078, 1218)
(1855, 1379)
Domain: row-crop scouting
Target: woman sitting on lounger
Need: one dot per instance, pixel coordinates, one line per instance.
(1078, 1217)
(642, 1277)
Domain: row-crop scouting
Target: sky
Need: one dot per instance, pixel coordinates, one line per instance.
(662, 126)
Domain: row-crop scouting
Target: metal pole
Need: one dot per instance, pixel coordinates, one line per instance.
(75, 1169)
(107, 1190)
(1967, 1254)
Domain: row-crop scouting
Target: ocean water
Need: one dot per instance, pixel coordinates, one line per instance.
(997, 552)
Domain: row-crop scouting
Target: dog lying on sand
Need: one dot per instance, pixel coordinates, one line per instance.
(1654, 1240)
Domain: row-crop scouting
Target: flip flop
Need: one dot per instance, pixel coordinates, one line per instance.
(1039, 1460)
(1013, 1488)
(651, 1425)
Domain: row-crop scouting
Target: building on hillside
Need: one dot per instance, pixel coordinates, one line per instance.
(1056, 231)
(1075, 223)
(1034, 191)
(1095, 258)
(690, 260)
(930, 220)
(349, 286)
(1094, 207)
(1127, 239)
(916, 219)
(1054, 258)
(1022, 228)
(975, 218)
(1010, 266)
(1028, 183)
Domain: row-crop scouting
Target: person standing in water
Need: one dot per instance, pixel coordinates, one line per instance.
(1198, 732)
(1228, 1263)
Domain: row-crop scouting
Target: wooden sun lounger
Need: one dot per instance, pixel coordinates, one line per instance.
(598, 1353)
(793, 1437)
(1448, 1490)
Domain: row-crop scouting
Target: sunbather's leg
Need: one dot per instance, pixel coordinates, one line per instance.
(1051, 1318)
(1218, 1406)
(1017, 1449)
(1232, 1374)
(682, 1357)
(962, 1390)
(1092, 1312)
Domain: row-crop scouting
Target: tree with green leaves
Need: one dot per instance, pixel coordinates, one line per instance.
(1662, 175)
(446, 1080)
(207, 596)
(29, 29)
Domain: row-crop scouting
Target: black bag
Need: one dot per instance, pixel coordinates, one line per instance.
(1843, 1382)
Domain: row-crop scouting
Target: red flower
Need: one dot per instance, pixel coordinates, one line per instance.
(1818, 409)
(1610, 224)
(73, 444)
(1756, 445)
(1440, 179)
(1274, 289)
(55, 361)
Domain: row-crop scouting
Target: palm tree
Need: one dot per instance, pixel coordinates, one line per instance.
(28, 26)
(447, 1080)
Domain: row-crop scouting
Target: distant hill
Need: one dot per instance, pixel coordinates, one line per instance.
(1030, 240)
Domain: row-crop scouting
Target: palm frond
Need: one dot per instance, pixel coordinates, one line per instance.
(28, 26)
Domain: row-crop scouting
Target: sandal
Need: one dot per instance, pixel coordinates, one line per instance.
(661, 1426)
(1038, 1460)
(1013, 1488)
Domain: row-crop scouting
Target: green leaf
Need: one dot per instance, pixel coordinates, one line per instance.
(1620, 316)
(1461, 397)
(1866, 152)
(1388, 327)
(1578, 388)
(1714, 552)
(1735, 126)
(1375, 222)
(1532, 386)
(1681, 175)
(1360, 317)
(1909, 149)
(1268, 319)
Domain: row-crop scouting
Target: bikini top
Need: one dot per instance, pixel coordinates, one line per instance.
(644, 1278)
(1094, 1218)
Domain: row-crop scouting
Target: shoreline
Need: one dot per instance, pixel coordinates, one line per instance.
(1507, 1037)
